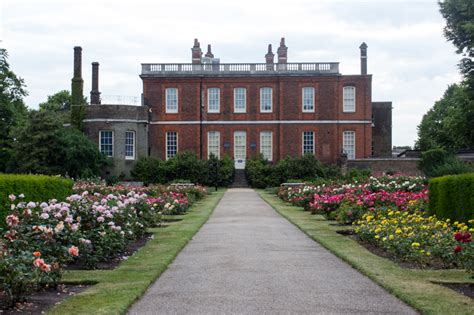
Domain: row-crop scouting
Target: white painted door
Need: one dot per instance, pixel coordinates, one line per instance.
(240, 149)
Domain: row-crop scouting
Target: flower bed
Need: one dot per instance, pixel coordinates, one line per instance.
(42, 237)
(391, 214)
(347, 201)
(419, 238)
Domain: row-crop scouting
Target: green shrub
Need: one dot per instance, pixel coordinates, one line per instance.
(219, 172)
(438, 162)
(453, 166)
(452, 197)
(357, 174)
(34, 187)
(332, 171)
(184, 167)
(150, 170)
(261, 173)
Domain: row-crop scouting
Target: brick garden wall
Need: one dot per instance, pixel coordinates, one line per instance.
(407, 166)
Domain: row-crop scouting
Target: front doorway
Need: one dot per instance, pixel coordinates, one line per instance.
(240, 149)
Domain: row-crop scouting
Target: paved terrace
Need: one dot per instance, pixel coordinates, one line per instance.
(247, 259)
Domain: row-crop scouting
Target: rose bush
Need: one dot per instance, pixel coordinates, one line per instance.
(419, 238)
(42, 237)
(347, 201)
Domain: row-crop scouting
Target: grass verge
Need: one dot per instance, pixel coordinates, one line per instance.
(414, 286)
(117, 289)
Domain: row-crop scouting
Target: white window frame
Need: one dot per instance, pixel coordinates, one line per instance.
(133, 145)
(244, 109)
(168, 100)
(166, 144)
(262, 151)
(351, 152)
(349, 103)
(262, 90)
(303, 99)
(112, 144)
(218, 136)
(214, 92)
(303, 143)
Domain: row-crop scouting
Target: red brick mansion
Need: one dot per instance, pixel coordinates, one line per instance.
(276, 109)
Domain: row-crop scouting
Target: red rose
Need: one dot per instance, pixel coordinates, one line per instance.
(457, 248)
(458, 236)
(466, 238)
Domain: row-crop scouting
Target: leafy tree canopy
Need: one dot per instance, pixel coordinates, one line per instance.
(44, 146)
(12, 108)
(59, 102)
(449, 123)
(459, 29)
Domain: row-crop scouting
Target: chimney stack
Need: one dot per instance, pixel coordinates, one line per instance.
(363, 59)
(269, 58)
(77, 82)
(209, 52)
(282, 51)
(95, 94)
(196, 53)
(78, 62)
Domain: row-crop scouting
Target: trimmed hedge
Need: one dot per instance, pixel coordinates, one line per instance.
(34, 187)
(452, 197)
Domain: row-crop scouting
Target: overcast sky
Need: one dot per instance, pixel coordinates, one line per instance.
(411, 62)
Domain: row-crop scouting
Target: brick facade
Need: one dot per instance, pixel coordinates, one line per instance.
(287, 120)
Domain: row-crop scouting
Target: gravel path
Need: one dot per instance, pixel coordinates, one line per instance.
(247, 259)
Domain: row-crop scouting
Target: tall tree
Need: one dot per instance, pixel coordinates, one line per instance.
(58, 104)
(45, 146)
(449, 123)
(12, 108)
(459, 29)
(36, 148)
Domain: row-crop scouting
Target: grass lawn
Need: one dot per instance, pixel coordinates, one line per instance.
(414, 286)
(117, 289)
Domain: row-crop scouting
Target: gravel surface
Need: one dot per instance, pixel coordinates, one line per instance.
(247, 259)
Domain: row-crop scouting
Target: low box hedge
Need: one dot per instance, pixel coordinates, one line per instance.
(452, 197)
(34, 187)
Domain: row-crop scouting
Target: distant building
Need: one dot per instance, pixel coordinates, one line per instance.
(243, 109)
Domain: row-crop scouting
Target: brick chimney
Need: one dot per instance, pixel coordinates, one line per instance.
(282, 51)
(95, 94)
(363, 59)
(269, 58)
(77, 96)
(196, 53)
(209, 52)
(77, 81)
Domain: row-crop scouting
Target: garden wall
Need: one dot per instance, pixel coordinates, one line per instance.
(408, 166)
